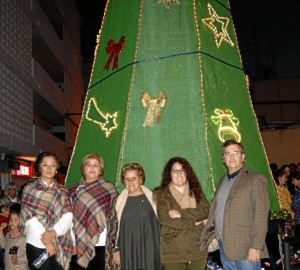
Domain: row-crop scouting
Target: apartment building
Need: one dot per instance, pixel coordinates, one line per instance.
(41, 85)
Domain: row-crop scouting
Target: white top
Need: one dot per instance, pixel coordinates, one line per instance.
(34, 229)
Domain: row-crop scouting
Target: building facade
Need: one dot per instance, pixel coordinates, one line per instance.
(41, 83)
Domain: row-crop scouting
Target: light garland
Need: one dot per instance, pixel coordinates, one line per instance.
(168, 3)
(124, 132)
(227, 123)
(211, 22)
(202, 95)
(110, 122)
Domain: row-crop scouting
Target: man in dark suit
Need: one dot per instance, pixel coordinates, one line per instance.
(239, 213)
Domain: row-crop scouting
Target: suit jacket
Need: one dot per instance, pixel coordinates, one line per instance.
(245, 216)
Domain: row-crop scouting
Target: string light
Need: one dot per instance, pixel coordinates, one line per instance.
(110, 122)
(168, 3)
(202, 95)
(211, 23)
(154, 107)
(129, 94)
(227, 124)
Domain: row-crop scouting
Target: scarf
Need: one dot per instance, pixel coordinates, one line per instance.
(113, 221)
(183, 199)
(90, 202)
(48, 204)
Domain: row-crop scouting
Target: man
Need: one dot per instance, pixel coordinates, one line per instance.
(239, 213)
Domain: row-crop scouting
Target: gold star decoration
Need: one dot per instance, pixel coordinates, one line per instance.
(107, 122)
(218, 25)
(168, 3)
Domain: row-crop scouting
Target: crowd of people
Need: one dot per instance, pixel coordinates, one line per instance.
(90, 226)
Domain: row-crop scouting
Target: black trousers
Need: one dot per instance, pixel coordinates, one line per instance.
(33, 253)
(97, 263)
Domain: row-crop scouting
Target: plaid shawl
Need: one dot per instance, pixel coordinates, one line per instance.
(48, 204)
(90, 202)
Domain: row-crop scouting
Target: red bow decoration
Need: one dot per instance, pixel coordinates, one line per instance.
(113, 49)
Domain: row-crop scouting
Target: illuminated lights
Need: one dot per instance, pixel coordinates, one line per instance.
(168, 3)
(227, 125)
(212, 24)
(110, 120)
(202, 95)
(113, 49)
(124, 132)
(155, 105)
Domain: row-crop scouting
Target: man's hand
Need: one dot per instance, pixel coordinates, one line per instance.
(253, 255)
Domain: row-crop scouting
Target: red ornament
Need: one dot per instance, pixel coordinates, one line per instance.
(113, 49)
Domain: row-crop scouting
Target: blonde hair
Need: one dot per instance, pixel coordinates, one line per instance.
(90, 156)
(133, 167)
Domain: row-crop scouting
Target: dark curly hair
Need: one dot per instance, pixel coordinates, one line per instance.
(40, 158)
(194, 185)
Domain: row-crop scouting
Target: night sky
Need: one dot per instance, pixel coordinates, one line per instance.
(268, 32)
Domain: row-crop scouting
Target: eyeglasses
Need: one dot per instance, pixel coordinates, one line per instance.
(181, 171)
(234, 153)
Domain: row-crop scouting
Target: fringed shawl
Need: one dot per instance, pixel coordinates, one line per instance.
(90, 202)
(48, 204)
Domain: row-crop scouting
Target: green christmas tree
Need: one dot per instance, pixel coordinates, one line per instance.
(168, 81)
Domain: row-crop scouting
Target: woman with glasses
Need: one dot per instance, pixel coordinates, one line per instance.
(181, 208)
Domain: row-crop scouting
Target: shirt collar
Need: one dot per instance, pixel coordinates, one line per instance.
(233, 175)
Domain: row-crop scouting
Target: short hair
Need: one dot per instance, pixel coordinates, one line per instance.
(11, 185)
(90, 156)
(15, 208)
(3, 206)
(133, 167)
(231, 142)
(39, 160)
(296, 175)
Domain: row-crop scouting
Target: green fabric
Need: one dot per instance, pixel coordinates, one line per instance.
(161, 55)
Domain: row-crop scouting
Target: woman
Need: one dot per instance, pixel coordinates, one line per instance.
(90, 199)
(46, 216)
(181, 208)
(284, 195)
(295, 205)
(133, 226)
(10, 195)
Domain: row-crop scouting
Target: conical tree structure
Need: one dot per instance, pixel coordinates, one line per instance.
(168, 81)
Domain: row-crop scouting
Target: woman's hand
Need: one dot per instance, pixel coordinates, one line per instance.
(3, 225)
(74, 251)
(174, 214)
(48, 236)
(14, 259)
(50, 249)
(117, 258)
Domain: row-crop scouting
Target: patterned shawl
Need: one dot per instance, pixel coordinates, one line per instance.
(48, 204)
(90, 202)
